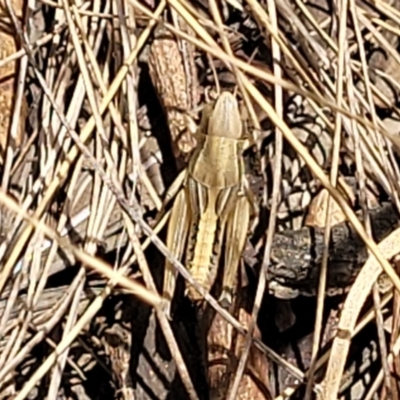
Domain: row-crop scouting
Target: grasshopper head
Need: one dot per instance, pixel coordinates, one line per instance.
(225, 119)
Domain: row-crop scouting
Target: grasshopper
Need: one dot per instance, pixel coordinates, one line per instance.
(214, 206)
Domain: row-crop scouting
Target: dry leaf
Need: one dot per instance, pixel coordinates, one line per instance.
(316, 216)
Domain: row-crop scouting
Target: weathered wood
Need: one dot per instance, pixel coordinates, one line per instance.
(297, 255)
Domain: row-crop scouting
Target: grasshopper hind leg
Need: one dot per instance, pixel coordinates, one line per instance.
(178, 228)
(236, 230)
